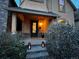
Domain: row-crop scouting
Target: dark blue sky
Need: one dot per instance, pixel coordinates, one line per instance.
(75, 2)
(17, 1)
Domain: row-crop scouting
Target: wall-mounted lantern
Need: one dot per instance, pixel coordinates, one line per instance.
(29, 45)
(43, 44)
(61, 21)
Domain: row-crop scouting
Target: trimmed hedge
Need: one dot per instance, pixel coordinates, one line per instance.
(63, 42)
(11, 47)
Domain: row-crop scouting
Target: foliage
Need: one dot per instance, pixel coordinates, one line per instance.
(11, 47)
(63, 41)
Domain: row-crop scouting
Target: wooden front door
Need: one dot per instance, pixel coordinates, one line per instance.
(34, 28)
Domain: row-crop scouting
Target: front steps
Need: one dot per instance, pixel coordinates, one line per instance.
(36, 51)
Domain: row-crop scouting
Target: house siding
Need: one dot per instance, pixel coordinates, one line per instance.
(52, 6)
(26, 26)
(3, 15)
(34, 5)
(69, 13)
(49, 6)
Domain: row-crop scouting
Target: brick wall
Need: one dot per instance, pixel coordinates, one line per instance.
(3, 15)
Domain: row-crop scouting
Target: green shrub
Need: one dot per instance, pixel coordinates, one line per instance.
(11, 47)
(63, 42)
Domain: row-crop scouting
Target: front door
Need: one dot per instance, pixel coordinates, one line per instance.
(34, 28)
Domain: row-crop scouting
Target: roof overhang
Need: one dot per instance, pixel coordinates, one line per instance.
(29, 11)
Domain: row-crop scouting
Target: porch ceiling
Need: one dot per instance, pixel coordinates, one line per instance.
(29, 11)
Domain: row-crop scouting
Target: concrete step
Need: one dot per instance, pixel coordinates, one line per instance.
(37, 55)
(44, 57)
(37, 52)
(34, 42)
(36, 49)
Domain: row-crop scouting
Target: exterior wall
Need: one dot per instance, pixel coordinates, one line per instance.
(51, 6)
(77, 24)
(68, 15)
(3, 15)
(26, 25)
(77, 18)
(21, 16)
(34, 5)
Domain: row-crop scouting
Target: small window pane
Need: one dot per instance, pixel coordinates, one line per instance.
(61, 2)
(61, 8)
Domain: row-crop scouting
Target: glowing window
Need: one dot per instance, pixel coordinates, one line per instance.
(34, 28)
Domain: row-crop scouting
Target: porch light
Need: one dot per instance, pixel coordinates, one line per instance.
(43, 44)
(40, 24)
(61, 21)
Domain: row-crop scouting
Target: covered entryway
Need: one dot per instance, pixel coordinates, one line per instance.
(31, 23)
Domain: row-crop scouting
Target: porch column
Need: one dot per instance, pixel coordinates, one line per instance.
(13, 23)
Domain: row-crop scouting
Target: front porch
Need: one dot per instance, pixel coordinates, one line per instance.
(29, 24)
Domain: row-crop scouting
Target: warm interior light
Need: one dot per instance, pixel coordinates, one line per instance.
(34, 28)
(40, 24)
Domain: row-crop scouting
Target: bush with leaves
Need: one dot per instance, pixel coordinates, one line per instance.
(63, 42)
(11, 47)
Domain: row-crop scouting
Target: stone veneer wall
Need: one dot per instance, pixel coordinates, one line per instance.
(3, 15)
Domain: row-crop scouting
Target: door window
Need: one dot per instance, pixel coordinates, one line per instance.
(34, 27)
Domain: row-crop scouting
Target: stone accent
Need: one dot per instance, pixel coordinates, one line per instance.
(3, 15)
